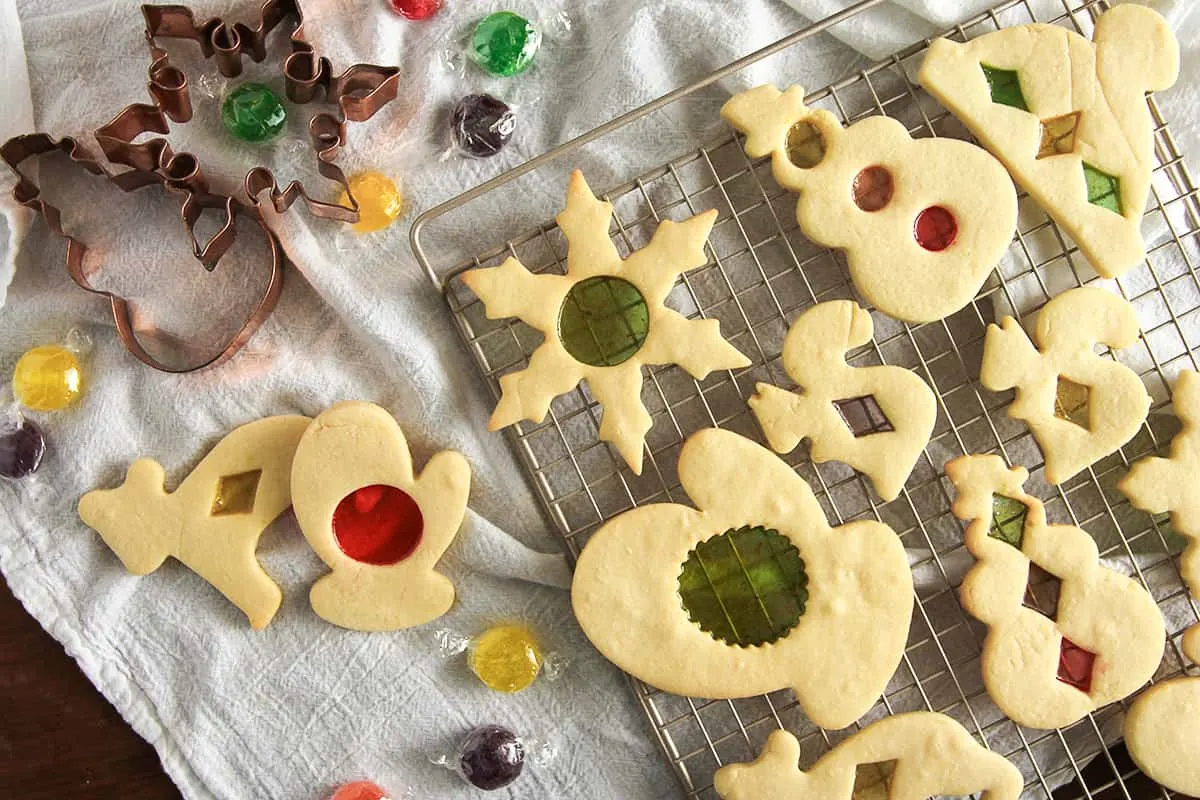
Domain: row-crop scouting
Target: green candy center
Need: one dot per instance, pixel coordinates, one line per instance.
(603, 321)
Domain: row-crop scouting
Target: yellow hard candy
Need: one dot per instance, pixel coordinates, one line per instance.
(48, 378)
(379, 201)
(506, 658)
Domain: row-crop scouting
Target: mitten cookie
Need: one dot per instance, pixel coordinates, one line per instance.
(1068, 117)
(922, 222)
(1048, 658)
(903, 757)
(876, 419)
(751, 593)
(212, 522)
(603, 320)
(1169, 484)
(1162, 729)
(1080, 407)
(380, 528)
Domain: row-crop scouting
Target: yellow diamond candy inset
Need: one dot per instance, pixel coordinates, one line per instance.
(1071, 402)
(1058, 135)
(236, 493)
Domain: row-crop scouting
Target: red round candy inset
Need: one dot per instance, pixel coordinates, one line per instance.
(415, 9)
(935, 229)
(378, 525)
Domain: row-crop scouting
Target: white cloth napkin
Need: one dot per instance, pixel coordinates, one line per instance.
(293, 710)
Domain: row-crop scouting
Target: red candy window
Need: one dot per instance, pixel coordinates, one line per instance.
(1075, 665)
(378, 525)
(935, 229)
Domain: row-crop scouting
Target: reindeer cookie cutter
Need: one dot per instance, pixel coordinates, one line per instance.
(358, 94)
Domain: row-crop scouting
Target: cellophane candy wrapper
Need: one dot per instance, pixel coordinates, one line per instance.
(490, 757)
(506, 657)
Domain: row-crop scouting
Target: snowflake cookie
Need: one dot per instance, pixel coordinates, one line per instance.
(1080, 407)
(922, 222)
(603, 320)
(380, 528)
(751, 593)
(1169, 484)
(1068, 117)
(1059, 644)
(212, 522)
(1162, 729)
(876, 419)
(903, 757)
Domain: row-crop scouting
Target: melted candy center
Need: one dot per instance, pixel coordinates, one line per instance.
(378, 525)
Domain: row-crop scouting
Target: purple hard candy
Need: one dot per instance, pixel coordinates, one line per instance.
(21, 451)
(491, 757)
(481, 125)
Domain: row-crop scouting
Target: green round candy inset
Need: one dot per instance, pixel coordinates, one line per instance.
(253, 113)
(745, 587)
(603, 321)
(504, 43)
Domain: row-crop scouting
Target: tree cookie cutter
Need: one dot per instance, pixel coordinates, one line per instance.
(358, 93)
(186, 181)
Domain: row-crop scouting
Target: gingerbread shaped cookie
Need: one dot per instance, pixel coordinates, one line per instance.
(751, 593)
(603, 320)
(1169, 484)
(1080, 407)
(1068, 117)
(922, 222)
(876, 419)
(212, 522)
(380, 528)
(903, 757)
(1050, 656)
(1162, 729)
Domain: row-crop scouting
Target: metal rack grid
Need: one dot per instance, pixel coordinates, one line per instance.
(760, 275)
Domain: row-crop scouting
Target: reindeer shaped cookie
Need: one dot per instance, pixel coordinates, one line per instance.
(1080, 407)
(876, 419)
(907, 756)
(212, 522)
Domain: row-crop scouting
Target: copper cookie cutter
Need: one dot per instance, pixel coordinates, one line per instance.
(358, 93)
(196, 199)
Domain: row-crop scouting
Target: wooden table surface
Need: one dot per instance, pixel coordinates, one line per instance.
(59, 737)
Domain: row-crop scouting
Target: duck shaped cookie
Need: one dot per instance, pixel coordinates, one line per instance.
(378, 526)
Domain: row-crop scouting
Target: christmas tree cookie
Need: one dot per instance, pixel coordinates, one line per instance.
(1056, 648)
(1169, 484)
(1068, 117)
(380, 528)
(903, 757)
(922, 221)
(1080, 407)
(876, 419)
(213, 520)
(603, 320)
(750, 591)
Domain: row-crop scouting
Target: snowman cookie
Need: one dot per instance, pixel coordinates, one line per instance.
(749, 592)
(212, 521)
(1068, 117)
(1169, 484)
(380, 528)
(1048, 658)
(922, 221)
(903, 757)
(1162, 729)
(1080, 407)
(876, 419)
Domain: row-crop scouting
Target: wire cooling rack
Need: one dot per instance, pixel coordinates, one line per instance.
(761, 274)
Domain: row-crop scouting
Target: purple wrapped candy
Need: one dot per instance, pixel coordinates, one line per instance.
(481, 125)
(21, 450)
(491, 757)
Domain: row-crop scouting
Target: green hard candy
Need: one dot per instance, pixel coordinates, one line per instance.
(504, 43)
(254, 113)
